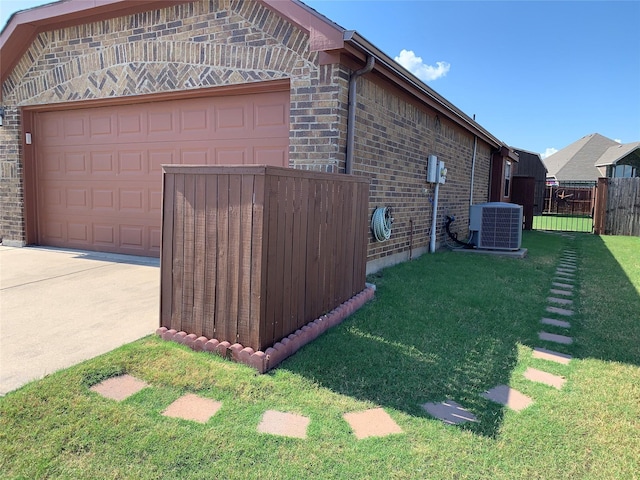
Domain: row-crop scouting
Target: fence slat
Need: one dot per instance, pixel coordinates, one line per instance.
(199, 260)
(166, 285)
(211, 255)
(178, 253)
(244, 274)
(222, 261)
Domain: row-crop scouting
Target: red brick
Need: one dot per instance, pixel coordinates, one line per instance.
(199, 344)
(179, 337)
(211, 345)
(168, 335)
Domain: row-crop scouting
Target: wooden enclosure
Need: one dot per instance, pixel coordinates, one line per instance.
(250, 254)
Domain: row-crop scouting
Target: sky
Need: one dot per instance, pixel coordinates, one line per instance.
(539, 75)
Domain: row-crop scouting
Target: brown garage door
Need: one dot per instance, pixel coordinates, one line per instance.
(99, 169)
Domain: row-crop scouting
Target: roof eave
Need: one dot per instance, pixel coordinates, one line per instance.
(353, 38)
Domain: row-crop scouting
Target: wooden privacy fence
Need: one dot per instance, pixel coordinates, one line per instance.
(251, 254)
(617, 210)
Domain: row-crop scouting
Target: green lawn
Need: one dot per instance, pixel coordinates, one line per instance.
(563, 223)
(447, 325)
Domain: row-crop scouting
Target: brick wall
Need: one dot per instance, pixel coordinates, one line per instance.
(394, 137)
(11, 184)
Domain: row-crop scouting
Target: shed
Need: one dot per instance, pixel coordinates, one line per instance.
(98, 95)
(530, 165)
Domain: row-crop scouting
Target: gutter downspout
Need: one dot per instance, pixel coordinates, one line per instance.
(473, 164)
(351, 117)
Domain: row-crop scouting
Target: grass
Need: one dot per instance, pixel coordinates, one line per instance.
(447, 325)
(563, 223)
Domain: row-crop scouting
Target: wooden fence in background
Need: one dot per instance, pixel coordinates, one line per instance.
(251, 254)
(617, 210)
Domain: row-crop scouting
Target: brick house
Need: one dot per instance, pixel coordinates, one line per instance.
(97, 95)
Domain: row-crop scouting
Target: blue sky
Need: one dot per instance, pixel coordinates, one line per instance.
(538, 75)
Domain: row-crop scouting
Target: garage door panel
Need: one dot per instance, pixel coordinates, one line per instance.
(75, 163)
(161, 123)
(104, 235)
(275, 156)
(196, 156)
(78, 233)
(132, 162)
(131, 126)
(102, 127)
(74, 128)
(102, 163)
(77, 199)
(195, 119)
(103, 200)
(157, 158)
(232, 156)
(99, 169)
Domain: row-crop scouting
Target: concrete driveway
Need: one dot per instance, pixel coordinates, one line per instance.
(60, 307)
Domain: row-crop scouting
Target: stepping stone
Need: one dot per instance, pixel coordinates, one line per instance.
(543, 377)
(552, 337)
(561, 292)
(568, 267)
(562, 285)
(564, 274)
(560, 311)
(509, 397)
(284, 424)
(192, 407)
(555, 323)
(119, 388)
(566, 270)
(371, 423)
(544, 354)
(561, 301)
(449, 412)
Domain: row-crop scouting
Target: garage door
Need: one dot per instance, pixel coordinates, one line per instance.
(99, 176)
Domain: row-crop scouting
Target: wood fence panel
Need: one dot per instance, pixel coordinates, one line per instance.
(623, 207)
(251, 254)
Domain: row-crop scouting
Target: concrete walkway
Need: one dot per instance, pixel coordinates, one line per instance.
(61, 307)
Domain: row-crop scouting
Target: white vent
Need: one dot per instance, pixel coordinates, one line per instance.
(496, 225)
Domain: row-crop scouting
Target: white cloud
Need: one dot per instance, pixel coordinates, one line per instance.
(548, 152)
(420, 69)
(617, 140)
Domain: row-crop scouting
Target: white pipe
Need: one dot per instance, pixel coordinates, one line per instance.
(473, 164)
(434, 219)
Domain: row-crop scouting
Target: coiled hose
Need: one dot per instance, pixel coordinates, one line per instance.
(381, 223)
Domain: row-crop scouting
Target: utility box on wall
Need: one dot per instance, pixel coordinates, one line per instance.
(250, 254)
(432, 169)
(436, 171)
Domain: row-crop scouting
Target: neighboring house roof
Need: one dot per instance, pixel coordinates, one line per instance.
(628, 151)
(578, 160)
(325, 36)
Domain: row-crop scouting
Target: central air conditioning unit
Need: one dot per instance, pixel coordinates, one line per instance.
(496, 226)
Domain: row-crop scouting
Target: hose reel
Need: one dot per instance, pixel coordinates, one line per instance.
(381, 223)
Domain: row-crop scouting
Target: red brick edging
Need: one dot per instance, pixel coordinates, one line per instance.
(272, 356)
